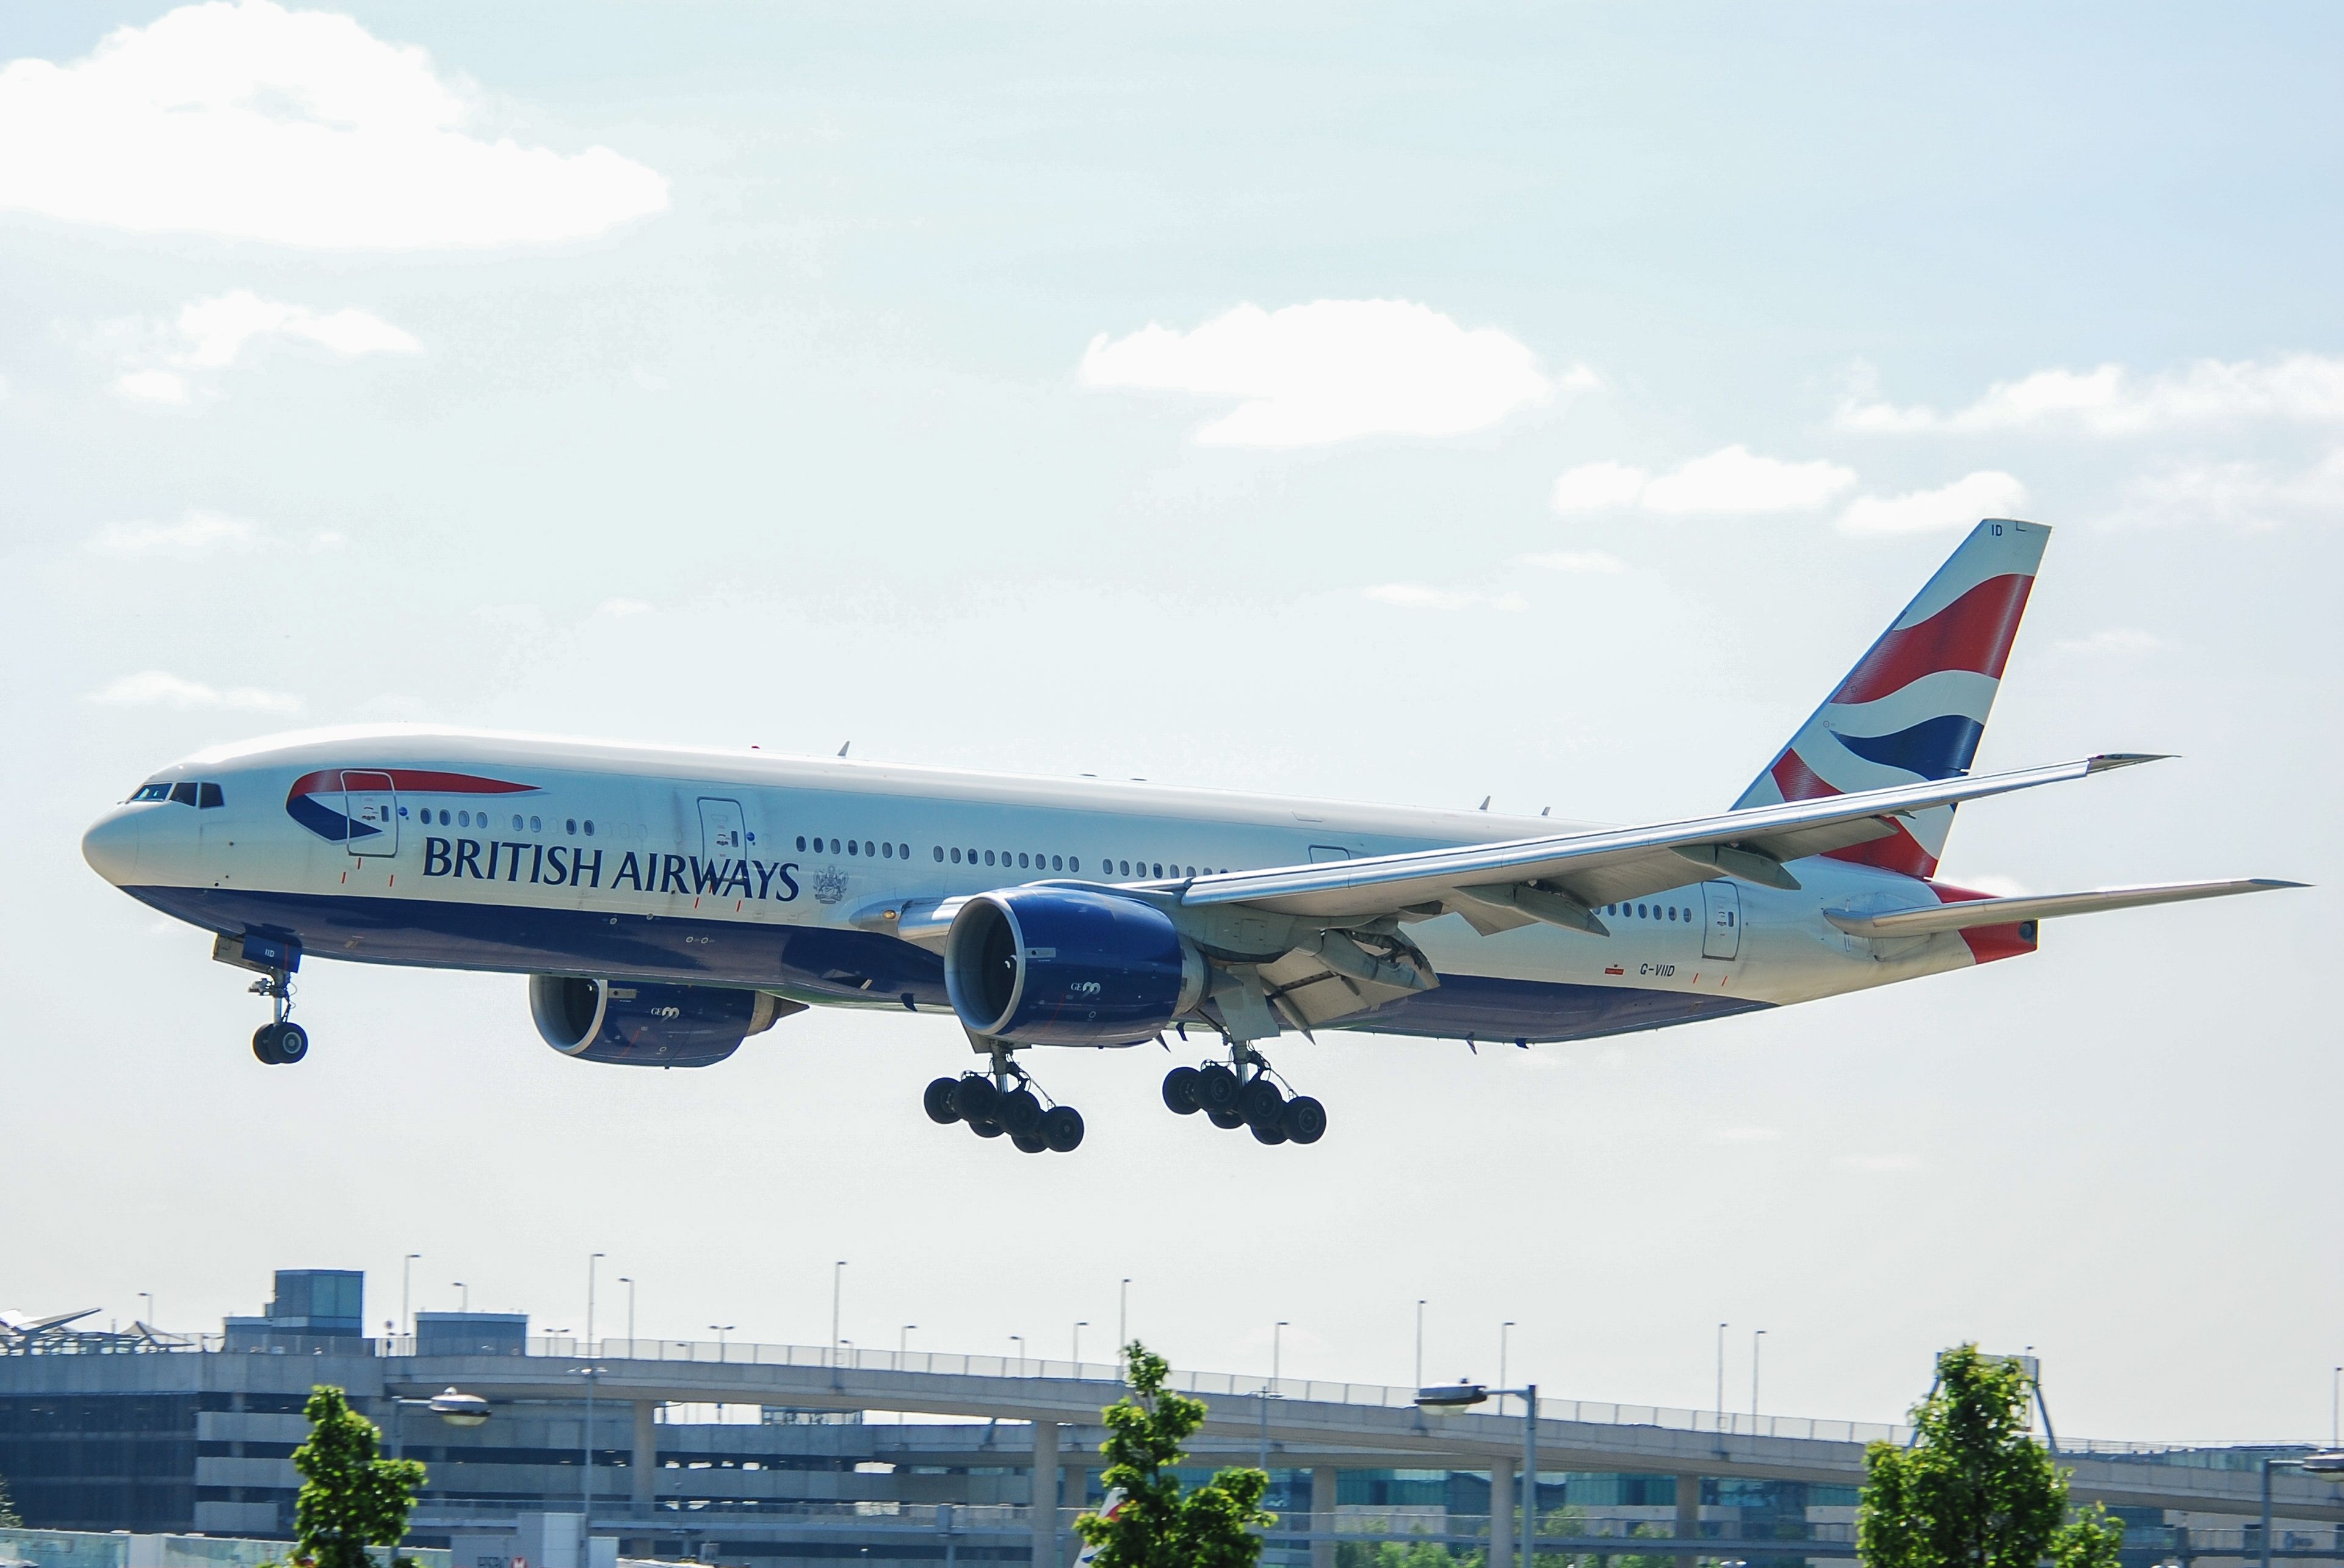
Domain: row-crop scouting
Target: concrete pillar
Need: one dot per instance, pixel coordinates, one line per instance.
(1323, 1516)
(1688, 1524)
(1501, 1513)
(1044, 1504)
(642, 1459)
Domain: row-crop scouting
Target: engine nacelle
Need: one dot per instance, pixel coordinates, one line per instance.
(1061, 967)
(648, 1026)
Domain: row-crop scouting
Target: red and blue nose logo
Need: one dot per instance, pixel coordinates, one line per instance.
(348, 805)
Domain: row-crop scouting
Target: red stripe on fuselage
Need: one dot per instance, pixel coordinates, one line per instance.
(328, 781)
(1974, 633)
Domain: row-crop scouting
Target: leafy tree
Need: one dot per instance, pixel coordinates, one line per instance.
(1974, 1489)
(1154, 1524)
(350, 1499)
(9, 1518)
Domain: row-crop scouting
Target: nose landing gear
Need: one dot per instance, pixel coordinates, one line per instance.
(1243, 1093)
(992, 1107)
(280, 1042)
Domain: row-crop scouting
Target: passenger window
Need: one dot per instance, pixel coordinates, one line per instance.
(866, 848)
(515, 821)
(1074, 862)
(569, 826)
(1057, 864)
(890, 853)
(988, 857)
(1192, 871)
(850, 846)
(1640, 912)
(590, 824)
(1127, 868)
(956, 855)
(464, 819)
(1021, 860)
(940, 854)
(207, 796)
(802, 843)
(903, 850)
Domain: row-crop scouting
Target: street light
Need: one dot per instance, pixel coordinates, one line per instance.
(1455, 1395)
(722, 1329)
(1503, 1328)
(2328, 1465)
(586, 1487)
(1122, 1318)
(837, 1278)
(1419, 1342)
(1721, 1377)
(1019, 1340)
(1080, 1324)
(1276, 1345)
(406, 1272)
(591, 1259)
(148, 1297)
(468, 1295)
(903, 1343)
(629, 1284)
(1756, 1336)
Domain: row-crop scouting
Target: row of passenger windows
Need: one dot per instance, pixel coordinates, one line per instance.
(202, 797)
(1648, 912)
(480, 819)
(1021, 860)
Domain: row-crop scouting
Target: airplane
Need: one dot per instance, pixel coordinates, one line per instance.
(666, 905)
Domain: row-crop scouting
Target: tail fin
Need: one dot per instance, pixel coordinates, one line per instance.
(1916, 704)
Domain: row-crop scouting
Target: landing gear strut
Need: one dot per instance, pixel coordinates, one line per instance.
(1004, 1101)
(1242, 1094)
(280, 1042)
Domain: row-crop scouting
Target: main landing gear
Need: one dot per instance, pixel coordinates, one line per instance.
(280, 1042)
(1241, 1094)
(992, 1107)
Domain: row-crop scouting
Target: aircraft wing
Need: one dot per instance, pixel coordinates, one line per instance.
(1934, 917)
(1560, 880)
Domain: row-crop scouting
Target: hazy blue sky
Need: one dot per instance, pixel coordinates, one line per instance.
(785, 374)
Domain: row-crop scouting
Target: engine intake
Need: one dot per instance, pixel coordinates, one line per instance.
(1061, 967)
(648, 1026)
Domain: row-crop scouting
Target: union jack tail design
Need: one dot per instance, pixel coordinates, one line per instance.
(1917, 702)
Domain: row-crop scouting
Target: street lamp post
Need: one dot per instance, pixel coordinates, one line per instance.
(722, 1329)
(1019, 1340)
(593, 1259)
(1277, 1344)
(148, 1297)
(1419, 1342)
(904, 1343)
(467, 1299)
(1503, 1330)
(586, 1487)
(629, 1284)
(1080, 1324)
(406, 1272)
(1721, 1377)
(1757, 1338)
(837, 1280)
(1460, 1394)
(1122, 1318)
(2328, 1465)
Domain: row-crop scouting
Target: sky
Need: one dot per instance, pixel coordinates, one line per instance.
(1545, 403)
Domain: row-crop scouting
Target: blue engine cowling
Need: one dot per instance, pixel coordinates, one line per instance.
(648, 1026)
(1063, 966)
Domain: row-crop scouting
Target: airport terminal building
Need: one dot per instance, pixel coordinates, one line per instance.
(761, 1455)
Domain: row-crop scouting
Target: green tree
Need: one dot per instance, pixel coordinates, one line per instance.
(1154, 1524)
(9, 1518)
(350, 1499)
(1974, 1489)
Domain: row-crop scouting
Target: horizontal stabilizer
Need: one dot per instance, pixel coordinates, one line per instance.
(1976, 912)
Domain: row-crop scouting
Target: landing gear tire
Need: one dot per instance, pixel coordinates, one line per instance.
(1267, 1134)
(938, 1101)
(264, 1045)
(984, 1126)
(1226, 1120)
(1021, 1113)
(977, 1101)
(1062, 1129)
(1304, 1120)
(1181, 1091)
(1216, 1088)
(292, 1043)
(1262, 1106)
(1031, 1142)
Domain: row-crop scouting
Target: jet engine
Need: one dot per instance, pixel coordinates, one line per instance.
(1061, 967)
(648, 1026)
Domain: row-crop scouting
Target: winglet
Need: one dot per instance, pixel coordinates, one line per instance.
(2108, 761)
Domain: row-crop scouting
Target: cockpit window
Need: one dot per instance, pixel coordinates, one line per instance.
(207, 795)
(157, 791)
(183, 793)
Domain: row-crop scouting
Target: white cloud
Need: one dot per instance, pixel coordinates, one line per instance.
(154, 386)
(1990, 492)
(1421, 596)
(622, 609)
(2113, 401)
(196, 533)
(150, 687)
(2237, 493)
(1732, 479)
(1334, 370)
(215, 331)
(2115, 643)
(1593, 487)
(1595, 561)
(298, 127)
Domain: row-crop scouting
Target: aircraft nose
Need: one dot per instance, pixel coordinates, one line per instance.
(111, 844)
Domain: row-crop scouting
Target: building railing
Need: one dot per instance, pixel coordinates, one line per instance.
(1223, 1386)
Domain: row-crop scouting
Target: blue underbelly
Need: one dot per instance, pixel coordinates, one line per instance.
(822, 961)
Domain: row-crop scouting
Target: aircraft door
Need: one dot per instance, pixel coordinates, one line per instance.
(1720, 935)
(370, 800)
(723, 835)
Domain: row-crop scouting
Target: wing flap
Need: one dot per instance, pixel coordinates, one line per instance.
(1978, 912)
